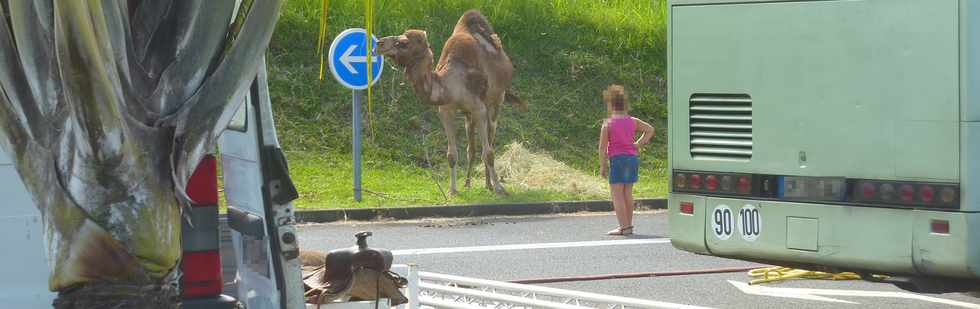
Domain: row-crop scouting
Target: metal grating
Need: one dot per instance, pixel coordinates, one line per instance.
(721, 127)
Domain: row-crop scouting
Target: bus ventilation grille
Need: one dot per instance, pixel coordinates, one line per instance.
(721, 127)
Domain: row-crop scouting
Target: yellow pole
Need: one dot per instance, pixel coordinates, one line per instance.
(369, 21)
(323, 33)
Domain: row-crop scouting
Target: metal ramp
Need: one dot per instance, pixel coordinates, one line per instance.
(448, 291)
(431, 290)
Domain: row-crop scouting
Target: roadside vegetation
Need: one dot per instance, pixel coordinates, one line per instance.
(565, 52)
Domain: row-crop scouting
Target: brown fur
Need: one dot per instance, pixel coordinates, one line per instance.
(473, 76)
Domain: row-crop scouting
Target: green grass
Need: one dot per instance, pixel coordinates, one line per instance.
(565, 51)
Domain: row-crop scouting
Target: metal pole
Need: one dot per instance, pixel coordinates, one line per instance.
(357, 145)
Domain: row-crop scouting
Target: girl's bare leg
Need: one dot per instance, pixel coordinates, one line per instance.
(619, 204)
(628, 204)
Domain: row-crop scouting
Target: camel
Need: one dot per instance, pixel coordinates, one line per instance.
(473, 77)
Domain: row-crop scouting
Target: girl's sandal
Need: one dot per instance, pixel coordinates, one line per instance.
(626, 230)
(615, 232)
(621, 231)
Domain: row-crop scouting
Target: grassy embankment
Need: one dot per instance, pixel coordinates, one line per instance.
(565, 51)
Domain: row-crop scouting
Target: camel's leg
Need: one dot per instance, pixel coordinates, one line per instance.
(483, 124)
(470, 148)
(492, 112)
(448, 118)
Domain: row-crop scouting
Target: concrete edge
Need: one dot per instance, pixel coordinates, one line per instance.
(462, 211)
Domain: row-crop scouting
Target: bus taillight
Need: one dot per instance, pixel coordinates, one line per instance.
(695, 182)
(714, 183)
(680, 181)
(948, 195)
(726, 183)
(711, 183)
(868, 190)
(887, 192)
(744, 184)
(907, 193)
(927, 193)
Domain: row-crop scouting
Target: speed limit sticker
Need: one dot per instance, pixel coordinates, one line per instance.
(749, 222)
(722, 222)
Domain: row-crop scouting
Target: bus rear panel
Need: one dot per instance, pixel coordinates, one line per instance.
(842, 134)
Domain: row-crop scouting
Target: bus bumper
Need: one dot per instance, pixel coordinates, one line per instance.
(847, 238)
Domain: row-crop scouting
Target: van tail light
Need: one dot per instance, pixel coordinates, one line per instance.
(201, 263)
(940, 226)
(202, 187)
(202, 274)
(687, 208)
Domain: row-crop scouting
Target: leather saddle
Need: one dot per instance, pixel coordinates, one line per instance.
(358, 273)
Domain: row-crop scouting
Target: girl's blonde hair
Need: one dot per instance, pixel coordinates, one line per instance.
(615, 98)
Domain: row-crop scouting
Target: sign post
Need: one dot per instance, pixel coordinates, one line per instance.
(357, 144)
(348, 64)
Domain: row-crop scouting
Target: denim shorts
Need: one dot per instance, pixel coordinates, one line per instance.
(624, 169)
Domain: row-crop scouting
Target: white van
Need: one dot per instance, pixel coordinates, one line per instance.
(260, 219)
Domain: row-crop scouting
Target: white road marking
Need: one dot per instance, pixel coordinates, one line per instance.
(813, 294)
(554, 245)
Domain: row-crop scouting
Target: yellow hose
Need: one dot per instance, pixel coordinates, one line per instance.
(779, 273)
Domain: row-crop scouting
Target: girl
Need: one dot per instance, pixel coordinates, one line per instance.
(617, 154)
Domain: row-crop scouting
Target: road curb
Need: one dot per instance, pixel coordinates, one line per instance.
(462, 211)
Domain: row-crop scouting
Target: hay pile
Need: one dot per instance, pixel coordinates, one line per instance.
(524, 170)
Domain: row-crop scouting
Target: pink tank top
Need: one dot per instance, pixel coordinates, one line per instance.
(622, 133)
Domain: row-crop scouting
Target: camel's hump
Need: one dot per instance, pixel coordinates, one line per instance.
(476, 24)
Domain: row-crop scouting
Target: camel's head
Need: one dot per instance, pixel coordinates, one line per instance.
(406, 49)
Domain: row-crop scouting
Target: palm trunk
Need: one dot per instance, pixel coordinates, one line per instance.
(107, 107)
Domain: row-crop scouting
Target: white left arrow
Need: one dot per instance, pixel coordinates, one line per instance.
(347, 58)
(814, 294)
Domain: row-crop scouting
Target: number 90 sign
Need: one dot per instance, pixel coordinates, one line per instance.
(748, 223)
(722, 223)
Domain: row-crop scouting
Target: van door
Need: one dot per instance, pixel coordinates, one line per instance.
(258, 190)
(24, 266)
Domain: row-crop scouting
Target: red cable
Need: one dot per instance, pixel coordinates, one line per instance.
(636, 275)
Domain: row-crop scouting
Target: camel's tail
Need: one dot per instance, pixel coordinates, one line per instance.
(513, 99)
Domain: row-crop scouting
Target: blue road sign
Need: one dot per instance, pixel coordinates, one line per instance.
(348, 61)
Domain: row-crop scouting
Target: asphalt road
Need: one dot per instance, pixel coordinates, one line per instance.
(471, 248)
